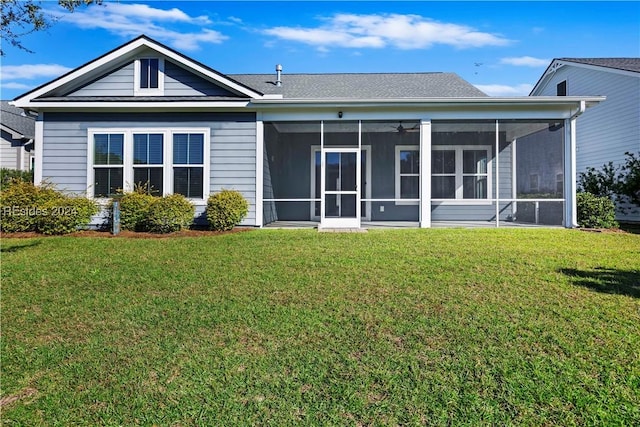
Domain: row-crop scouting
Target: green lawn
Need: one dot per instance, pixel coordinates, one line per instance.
(281, 327)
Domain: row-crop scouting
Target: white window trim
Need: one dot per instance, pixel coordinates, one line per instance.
(138, 91)
(167, 165)
(459, 199)
(206, 160)
(398, 197)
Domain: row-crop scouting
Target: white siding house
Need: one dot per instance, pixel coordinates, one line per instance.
(605, 133)
(16, 144)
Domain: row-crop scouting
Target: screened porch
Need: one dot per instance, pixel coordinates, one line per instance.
(366, 173)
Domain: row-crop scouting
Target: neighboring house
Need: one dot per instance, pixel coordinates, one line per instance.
(18, 130)
(605, 133)
(337, 150)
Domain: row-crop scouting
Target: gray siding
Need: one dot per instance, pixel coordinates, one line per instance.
(177, 82)
(233, 160)
(232, 150)
(605, 132)
(116, 83)
(180, 82)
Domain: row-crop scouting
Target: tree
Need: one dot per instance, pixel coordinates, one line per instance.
(22, 17)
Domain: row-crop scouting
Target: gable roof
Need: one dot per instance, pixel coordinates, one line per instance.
(16, 122)
(355, 86)
(363, 85)
(625, 64)
(114, 58)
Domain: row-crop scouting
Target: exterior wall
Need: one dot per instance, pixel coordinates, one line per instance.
(177, 82)
(116, 83)
(180, 82)
(10, 153)
(480, 210)
(604, 133)
(231, 157)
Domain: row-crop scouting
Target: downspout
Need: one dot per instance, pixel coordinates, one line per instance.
(571, 211)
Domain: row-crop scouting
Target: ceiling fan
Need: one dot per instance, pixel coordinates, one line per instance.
(402, 130)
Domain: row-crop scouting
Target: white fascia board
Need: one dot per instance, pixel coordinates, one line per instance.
(174, 106)
(25, 101)
(14, 134)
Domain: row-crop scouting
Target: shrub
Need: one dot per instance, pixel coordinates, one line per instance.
(226, 209)
(595, 212)
(65, 215)
(26, 207)
(134, 209)
(169, 214)
(22, 204)
(9, 176)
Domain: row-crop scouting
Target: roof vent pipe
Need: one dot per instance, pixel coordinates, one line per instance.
(278, 75)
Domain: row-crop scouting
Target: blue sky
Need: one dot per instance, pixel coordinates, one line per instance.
(501, 47)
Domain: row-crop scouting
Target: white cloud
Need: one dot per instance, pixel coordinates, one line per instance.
(131, 20)
(14, 85)
(31, 71)
(525, 61)
(504, 90)
(377, 31)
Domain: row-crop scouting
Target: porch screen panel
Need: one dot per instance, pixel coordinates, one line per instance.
(463, 170)
(391, 180)
(289, 170)
(538, 185)
(340, 134)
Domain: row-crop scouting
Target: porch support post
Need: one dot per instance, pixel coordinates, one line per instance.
(259, 169)
(38, 148)
(425, 173)
(497, 173)
(570, 203)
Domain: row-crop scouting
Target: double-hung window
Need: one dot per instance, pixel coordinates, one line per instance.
(148, 163)
(460, 172)
(188, 164)
(407, 173)
(108, 163)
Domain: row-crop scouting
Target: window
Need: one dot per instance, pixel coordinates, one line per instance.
(407, 172)
(533, 183)
(561, 88)
(149, 76)
(148, 162)
(166, 161)
(460, 172)
(188, 162)
(108, 163)
(560, 183)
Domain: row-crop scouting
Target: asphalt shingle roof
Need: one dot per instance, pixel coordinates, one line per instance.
(362, 86)
(626, 64)
(15, 119)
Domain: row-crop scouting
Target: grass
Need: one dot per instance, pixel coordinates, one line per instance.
(411, 327)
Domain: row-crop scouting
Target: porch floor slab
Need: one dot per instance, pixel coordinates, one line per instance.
(406, 224)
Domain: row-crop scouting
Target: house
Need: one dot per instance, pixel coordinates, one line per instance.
(336, 150)
(16, 145)
(606, 133)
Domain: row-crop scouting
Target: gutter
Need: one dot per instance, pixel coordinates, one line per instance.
(581, 109)
(404, 102)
